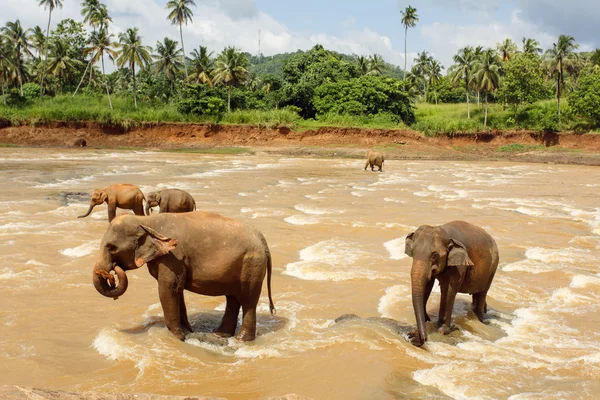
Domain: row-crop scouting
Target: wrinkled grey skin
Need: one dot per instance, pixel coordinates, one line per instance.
(171, 201)
(462, 257)
(202, 252)
(374, 159)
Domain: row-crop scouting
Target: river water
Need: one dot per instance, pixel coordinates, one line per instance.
(337, 238)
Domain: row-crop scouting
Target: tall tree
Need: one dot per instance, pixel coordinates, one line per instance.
(363, 65)
(421, 67)
(37, 38)
(201, 66)
(531, 46)
(101, 44)
(180, 14)
(133, 53)
(50, 5)
(463, 70)
(89, 12)
(487, 76)
(230, 69)
(168, 60)
(60, 63)
(507, 49)
(17, 38)
(477, 54)
(6, 65)
(376, 65)
(409, 20)
(434, 74)
(561, 55)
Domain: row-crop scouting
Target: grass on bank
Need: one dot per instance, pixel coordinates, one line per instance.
(432, 120)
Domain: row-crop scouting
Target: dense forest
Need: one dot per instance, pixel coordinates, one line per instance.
(524, 85)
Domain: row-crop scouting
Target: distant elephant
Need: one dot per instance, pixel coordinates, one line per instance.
(125, 196)
(374, 159)
(462, 257)
(202, 252)
(170, 200)
(81, 142)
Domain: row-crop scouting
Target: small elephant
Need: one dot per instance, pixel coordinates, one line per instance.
(202, 252)
(81, 142)
(374, 159)
(170, 200)
(126, 196)
(462, 257)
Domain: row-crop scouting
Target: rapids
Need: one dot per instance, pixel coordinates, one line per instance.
(337, 238)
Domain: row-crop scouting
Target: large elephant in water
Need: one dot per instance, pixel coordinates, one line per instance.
(374, 159)
(126, 196)
(462, 257)
(170, 200)
(202, 252)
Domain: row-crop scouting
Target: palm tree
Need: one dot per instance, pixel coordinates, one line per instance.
(507, 49)
(363, 65)
(60, 63)
(477, 54)
(50, 5)
(463, 69)
(231, 70)
(487, 76)
(7, 67)
(531, 46)
(18, 40)
(421, 67)
(409, 20)
(180, 14)
(89, 11)
(434, 74)
(133, 53)
(201, 66)
(101, 43)
(101, 18)
(557, 58)
(376, 65)
(37, 38)
(168, 60)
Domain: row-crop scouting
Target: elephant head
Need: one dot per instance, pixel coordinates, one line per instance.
(126, 245)
(99, 196)
(433, 251)
(152, 200)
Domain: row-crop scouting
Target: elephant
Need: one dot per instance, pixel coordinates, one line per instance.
(170, 200)
(375, 159)
(126, 196)
(202, 252)
(81, 142)
(462, 257)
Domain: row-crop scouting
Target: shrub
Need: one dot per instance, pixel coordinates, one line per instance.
(31, 91)
(585, 100)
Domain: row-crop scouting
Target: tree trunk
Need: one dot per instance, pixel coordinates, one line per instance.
(229, 100)
(435, 95)
(134, 86)
(46, 54)
(82, 78)
(183, 48)
(467, 91)
(560, 80)
(19, 77)
(106, 85)
(405, 35)
(3, 94)
(478, 98)
(486, 112)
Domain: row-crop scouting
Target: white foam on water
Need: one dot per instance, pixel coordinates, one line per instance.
(81, 250)
(108, 344)
(392, 297)
(569, 255)
(316, 210)
(262, 212)
(396, 248)
(301, 219)
(531, 266)
(332, 260)
(36, 263)
(314, 197)
(581, 281)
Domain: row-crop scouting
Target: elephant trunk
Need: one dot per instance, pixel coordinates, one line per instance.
(147, 209)
(89, 211)
(419, 279)
(104, 281)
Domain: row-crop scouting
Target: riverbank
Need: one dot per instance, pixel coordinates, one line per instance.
(522, 146)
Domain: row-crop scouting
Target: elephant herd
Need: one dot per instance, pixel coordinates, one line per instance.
(210, 254)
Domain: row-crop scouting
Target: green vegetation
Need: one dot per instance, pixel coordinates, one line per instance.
(60, 75)
(8, 145)
(517, 148)
(211, 150)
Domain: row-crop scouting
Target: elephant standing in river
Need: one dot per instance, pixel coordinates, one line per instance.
(170, 200)
(462, 257)
(125, 196)
(374, 159)
(202, 252)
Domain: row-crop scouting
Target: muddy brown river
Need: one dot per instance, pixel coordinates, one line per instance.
(337, 238)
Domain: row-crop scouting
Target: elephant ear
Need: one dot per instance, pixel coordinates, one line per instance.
(457, 255)
(408, 244)
(102, 196)
(157, 197)
(152, 245)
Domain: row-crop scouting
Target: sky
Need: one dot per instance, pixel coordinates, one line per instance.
(348, 26)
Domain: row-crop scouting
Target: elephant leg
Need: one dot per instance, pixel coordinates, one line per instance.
(480, 305)
(170, 298)
(443, 297)
(248, 331)
(183, 317)
(230, 318)
(112, 211)
(366, 165)
(450, 295)
(428, 289)
(138, 209)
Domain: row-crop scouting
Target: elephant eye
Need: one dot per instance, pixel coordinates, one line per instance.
(435, 256)
(111, 248)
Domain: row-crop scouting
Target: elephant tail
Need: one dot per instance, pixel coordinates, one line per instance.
(194, 205)
(269, 271)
